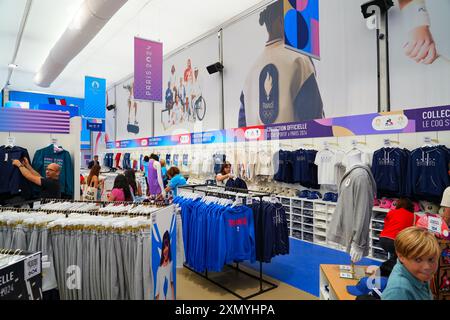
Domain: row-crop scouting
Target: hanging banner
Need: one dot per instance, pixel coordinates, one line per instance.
(148, 63)
(164, 244)
(301, 26)
(94, 98)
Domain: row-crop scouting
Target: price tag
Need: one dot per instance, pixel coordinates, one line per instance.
(238, 201)
(32, 266)
(346, 275)
(387, 142)
(249, 200)
(345, 268)
(427, 140)
(273, 199)
(434, 224)
(11, 141)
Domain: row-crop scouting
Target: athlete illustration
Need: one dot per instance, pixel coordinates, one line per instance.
(164, 274)
(183, 98)
(420, 45)
(164, 288)
(131, 103)
(281, 85)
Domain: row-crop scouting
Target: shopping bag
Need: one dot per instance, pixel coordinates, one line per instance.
(90, 194)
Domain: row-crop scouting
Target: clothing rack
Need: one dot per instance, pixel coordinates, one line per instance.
(219, 194)
(105, 203)
(91, 212)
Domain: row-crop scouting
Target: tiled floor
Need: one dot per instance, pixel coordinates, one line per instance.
(190, 286)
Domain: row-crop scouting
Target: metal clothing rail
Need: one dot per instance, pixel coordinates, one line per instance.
(91, 212)
(236, 192)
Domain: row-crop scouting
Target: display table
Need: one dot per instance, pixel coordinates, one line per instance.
(337, 286)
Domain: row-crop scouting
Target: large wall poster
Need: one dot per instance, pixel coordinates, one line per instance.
(301, 26)
(419, 31)
(191, 96)
(110, 130)
(134, 118)
(266, 83)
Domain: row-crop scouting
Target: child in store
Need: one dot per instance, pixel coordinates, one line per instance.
(418, 254)
(176, 179)
(121, 190)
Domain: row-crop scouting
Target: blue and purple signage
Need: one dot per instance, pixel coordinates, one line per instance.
(148, 76)
(408, 121)
(40, 121)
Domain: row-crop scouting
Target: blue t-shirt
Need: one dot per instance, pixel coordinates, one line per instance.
(164, 173)
(175, 182)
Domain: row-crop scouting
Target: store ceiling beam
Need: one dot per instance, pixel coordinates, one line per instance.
(92, 16)
(12, 65)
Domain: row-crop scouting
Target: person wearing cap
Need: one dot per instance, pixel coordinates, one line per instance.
(445, 203)
(418, 254)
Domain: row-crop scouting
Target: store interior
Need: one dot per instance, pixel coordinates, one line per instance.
(239, 150)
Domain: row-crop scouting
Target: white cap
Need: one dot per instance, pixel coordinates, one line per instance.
(446, 198)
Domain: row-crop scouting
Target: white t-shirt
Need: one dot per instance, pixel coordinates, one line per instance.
(329, 171)
(164, 274)
(357, 157)
(264, 164)
(223, 182)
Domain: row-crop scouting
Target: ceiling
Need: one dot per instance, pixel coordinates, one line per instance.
(110, 54)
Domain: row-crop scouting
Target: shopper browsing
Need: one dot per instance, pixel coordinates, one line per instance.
(121, 190)
(396, 220)
(446, 204)
(225, 174)
(136, 189)
(418, 253)
(93, 179)
(176, 179)
(164, 171)
(93, 162)
(50, 186)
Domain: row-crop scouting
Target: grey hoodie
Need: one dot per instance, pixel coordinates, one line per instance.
(351, 219)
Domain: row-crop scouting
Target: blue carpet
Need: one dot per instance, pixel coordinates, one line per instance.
(300, 268)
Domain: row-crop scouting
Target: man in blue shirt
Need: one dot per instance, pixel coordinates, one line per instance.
(176, 180)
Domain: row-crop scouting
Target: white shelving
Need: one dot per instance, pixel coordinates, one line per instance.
(315, 228)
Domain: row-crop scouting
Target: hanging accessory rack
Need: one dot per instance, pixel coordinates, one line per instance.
(208, 190)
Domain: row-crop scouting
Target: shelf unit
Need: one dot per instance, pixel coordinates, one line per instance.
(309, 221)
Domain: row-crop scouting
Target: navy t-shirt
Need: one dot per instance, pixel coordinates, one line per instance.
(50, 189)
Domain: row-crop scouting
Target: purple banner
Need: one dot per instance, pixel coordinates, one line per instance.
(25, 120)
(148, 62)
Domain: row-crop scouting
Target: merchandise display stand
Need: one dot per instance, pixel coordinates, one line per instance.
(332, 286)
(208, 190)
(21, 275)
(440, 285)
(142, 222)
(309, 221)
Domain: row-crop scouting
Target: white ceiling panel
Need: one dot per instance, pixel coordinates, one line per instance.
(110, 53)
